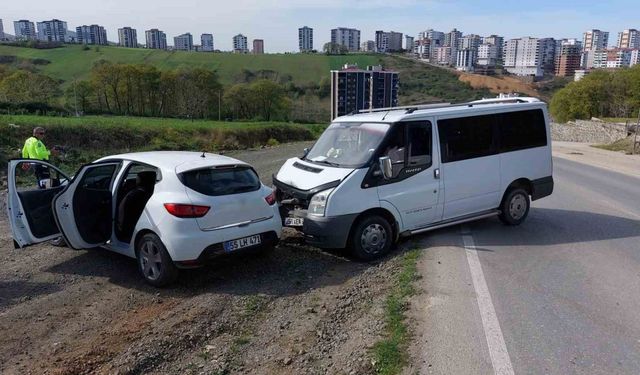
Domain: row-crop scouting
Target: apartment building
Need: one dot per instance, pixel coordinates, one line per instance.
(422, 48)
(128, 37)
(612, 58)
(452, 39)
(568, 57)
(183, 42)
(368, 46)
(547, 52)
(466, 59)
(488, 54)
(595, 39)
(1, 30)
(346, 37)
(522, 57)
(354, 89)
(443, 55)
(52, 31)
(156, 39)
(497, 41)
(409, 43)
(305, 39)
(471, 41)
(629, 38)
(635, 57)
(206, 43)
(388, 41)
(93, 34)
(24, 30)
(240, 44)
(258, 47)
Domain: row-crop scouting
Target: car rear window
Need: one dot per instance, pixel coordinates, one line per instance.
(221, 181)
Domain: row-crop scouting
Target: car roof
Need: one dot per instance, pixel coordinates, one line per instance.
(178, 161)
(392, 115)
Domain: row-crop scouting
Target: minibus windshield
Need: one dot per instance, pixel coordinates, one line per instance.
(347, 144)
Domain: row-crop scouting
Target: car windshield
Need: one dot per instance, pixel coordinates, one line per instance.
(348, 144)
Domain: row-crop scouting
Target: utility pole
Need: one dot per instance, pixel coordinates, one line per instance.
(636, 139)
(75, 97)
(219, 104)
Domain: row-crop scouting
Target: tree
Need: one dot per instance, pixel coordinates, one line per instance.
(26, 87)
(270, 99)
(335, 49)
(79, 95)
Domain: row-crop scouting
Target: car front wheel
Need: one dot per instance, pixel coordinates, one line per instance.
(154, 261)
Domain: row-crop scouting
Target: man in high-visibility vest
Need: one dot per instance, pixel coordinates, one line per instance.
(34, 148)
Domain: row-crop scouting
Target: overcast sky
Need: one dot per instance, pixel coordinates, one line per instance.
(277, 21)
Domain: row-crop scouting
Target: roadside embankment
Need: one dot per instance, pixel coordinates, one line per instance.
(587, 154)
(587, 131)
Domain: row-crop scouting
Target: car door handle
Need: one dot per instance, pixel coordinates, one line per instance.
(65, 206)
(436, 173)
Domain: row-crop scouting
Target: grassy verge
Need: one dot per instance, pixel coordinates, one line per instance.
(621, 120)
(621, 145)
(88, 138)
(391, 352)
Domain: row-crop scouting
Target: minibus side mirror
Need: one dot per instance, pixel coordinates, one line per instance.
(305, 151)
(386, 167)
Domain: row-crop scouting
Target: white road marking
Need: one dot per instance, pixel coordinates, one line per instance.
(497, 347)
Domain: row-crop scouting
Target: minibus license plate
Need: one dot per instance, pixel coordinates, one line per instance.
(293, 221)
(242, 243)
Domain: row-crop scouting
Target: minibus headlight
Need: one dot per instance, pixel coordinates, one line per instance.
(318, 203)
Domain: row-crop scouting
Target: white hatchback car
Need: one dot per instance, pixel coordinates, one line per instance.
(169, 210)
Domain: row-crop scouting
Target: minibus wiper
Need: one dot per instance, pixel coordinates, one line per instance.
(327, 163)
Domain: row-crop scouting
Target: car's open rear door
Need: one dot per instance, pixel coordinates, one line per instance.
(33, 184)
(84, 210)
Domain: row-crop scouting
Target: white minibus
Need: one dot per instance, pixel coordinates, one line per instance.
(379, 175)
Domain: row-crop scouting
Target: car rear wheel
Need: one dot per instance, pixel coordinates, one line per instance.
(154, 261)
(371, 238)
(515, 206)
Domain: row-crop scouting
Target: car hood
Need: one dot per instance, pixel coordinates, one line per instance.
(306, 176)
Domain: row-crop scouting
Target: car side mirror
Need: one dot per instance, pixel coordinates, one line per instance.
(386, 167)
(305, 151)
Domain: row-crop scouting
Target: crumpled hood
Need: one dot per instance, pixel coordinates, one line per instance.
(305, 176)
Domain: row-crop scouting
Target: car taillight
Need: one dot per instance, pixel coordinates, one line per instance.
(186, 210)
(271, 198)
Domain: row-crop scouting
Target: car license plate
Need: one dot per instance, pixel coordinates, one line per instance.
(242, 243)
(293, 221)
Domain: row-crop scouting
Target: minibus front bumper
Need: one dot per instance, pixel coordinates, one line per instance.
(328, 232)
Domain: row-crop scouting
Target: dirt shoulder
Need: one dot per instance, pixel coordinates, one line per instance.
(610, 160)
(296, 310)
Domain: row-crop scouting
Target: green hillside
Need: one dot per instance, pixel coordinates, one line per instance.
(71, 62)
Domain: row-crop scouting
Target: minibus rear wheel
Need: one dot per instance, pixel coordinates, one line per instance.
(515, 206)
(371, 238)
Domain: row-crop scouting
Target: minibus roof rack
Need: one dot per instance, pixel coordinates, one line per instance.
(416, 107)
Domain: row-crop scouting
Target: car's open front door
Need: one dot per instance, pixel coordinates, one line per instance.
(33, 184)
(84, 210)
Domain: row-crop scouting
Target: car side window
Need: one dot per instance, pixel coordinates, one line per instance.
(98, 178)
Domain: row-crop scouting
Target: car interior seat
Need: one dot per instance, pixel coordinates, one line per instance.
(131, 206)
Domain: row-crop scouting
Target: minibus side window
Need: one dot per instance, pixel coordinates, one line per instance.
(396, 150)
(419, 136)
(522, 130)
(467, 137)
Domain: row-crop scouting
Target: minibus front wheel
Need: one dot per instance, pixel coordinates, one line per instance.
(371, 238)
(515, 206)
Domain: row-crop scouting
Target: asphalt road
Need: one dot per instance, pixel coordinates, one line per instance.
(562, 290)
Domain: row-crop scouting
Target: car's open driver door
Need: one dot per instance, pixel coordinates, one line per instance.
(32, 186)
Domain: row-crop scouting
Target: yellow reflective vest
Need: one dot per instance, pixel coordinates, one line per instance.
(35, 149)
